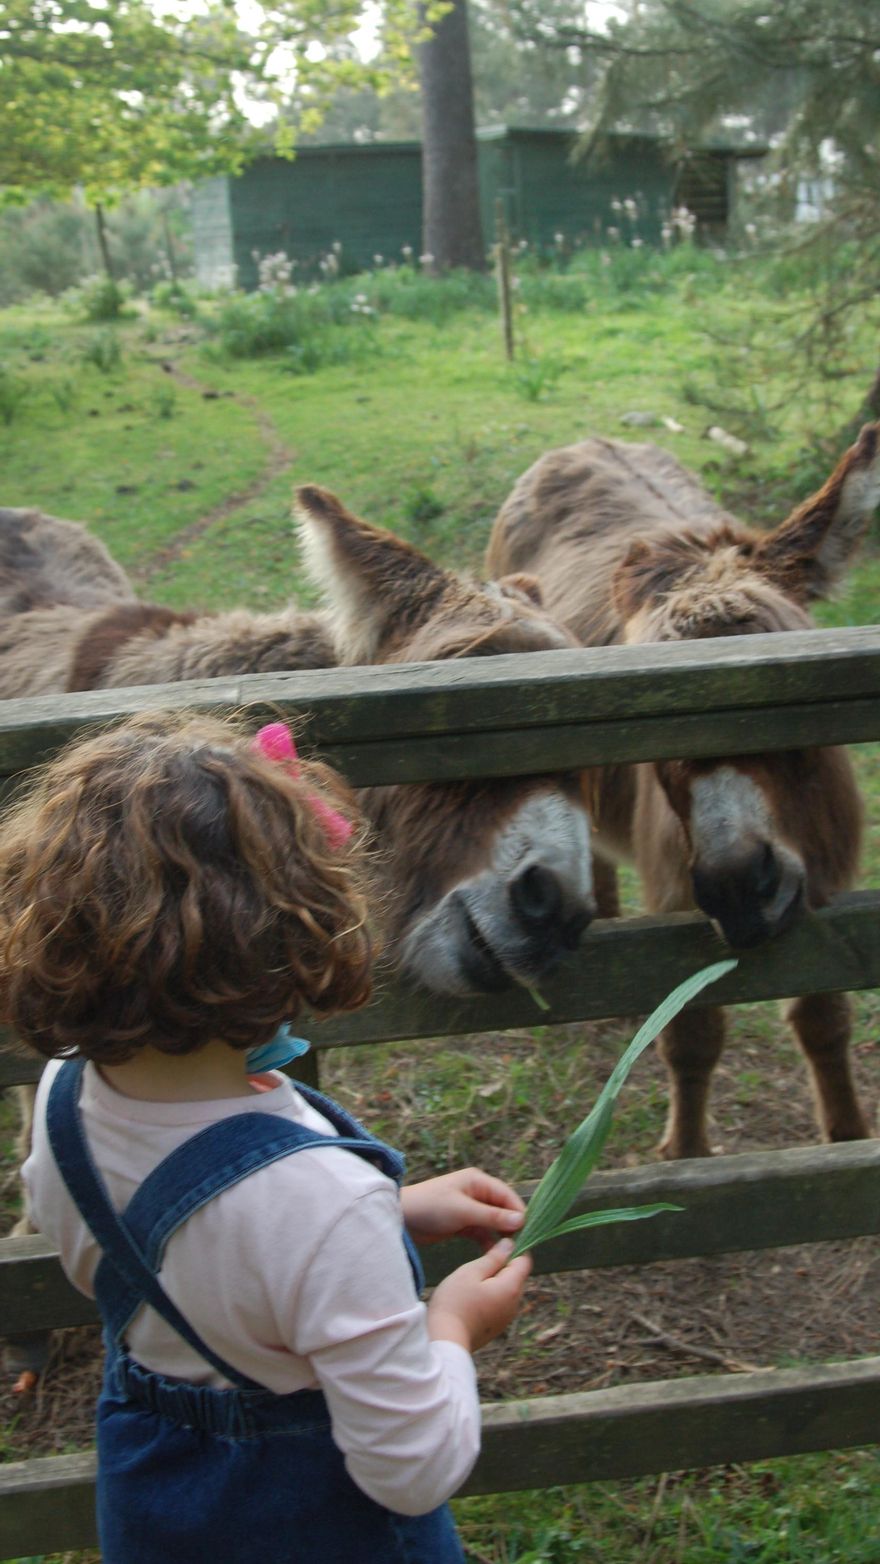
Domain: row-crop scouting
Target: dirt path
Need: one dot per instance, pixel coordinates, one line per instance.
(279, 458)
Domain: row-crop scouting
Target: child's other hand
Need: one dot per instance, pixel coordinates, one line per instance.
(466, 1204)
(477, 1302)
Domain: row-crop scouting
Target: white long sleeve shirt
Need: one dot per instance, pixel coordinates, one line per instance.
(296, 1276)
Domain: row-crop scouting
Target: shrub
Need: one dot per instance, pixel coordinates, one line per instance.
(175, 297)
(63, 392)
(415, 295)
(533, 376)
(421, 505)
(40, 250)
(311, 329)
(102, 350)
(101, 299)
(13, 392)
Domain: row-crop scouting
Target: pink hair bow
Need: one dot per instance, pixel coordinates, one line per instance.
(275, 742)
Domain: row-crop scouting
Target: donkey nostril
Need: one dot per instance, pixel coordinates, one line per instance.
(767, 873)
(536, 895)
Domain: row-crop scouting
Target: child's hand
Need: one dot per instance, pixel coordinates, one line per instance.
(477, 1302)
(466, 1204)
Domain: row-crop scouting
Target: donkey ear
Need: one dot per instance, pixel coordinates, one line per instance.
(521, 585)
(809, 552)
(376, 583)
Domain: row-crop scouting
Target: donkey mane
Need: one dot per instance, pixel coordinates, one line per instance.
(158, 646)
(699, 584)
(106, 635)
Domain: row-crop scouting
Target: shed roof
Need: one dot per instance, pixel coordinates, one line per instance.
(530, 132)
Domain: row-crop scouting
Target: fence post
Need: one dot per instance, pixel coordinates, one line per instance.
(502, 272)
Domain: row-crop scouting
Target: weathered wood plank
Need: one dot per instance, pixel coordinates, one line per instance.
(624, 967)
(46, 1505)
(575, 746)
(503, 715)
(35, 1294)
(674, 1425)
(756, 1201)
(752, 1201)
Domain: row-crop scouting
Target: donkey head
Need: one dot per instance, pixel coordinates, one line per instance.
(489, 883)
(765, 833)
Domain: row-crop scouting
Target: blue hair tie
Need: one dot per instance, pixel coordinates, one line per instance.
(279, 1051)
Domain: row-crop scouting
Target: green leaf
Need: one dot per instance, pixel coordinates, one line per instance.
(567, 1175)
(539, 999)
(601, 1218)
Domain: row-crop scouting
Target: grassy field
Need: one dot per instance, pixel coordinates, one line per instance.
(182, 456)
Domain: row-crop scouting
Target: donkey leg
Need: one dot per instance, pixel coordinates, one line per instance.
(605, 887)
(822, 1024)
(690, 1047)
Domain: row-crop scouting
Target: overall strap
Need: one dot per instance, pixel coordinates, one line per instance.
(123, 1280)
(345, 1124)
(216, 1158)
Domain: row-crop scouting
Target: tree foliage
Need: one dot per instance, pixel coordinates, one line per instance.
(517, 81)
(683, 67)
(118, 94)
(802, 76)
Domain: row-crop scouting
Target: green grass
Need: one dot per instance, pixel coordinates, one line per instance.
(425, 428)
(436, 398)
(814, 1510)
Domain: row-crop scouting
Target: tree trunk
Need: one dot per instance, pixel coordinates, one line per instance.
(169, 246)
(452, 233)
(103, 246)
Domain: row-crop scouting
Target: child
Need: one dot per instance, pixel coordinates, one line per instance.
(274, 1389)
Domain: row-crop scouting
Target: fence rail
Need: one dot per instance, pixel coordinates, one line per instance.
(514, 715)
(542, 713)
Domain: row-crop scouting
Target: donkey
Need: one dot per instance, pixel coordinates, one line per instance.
(488, 883)
(629, 548)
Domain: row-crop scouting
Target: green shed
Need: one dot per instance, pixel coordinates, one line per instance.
(366, 200)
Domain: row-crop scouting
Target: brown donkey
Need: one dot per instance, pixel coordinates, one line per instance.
(630, 549)
(486, 883)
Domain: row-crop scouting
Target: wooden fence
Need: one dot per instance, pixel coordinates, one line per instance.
(547, 712)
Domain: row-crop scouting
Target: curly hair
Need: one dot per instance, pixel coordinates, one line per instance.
(162, 883)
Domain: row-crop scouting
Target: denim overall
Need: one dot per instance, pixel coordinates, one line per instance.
(187, 1472)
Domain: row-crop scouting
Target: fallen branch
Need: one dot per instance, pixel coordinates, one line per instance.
(661, 1338)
